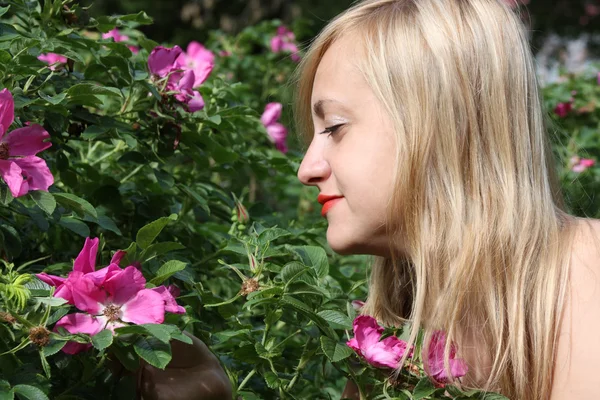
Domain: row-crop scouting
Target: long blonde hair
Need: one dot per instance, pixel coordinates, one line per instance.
(481, 211)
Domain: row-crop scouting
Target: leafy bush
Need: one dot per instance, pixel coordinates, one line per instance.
(178, 170)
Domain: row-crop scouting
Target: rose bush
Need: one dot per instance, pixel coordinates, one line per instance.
(175, 171)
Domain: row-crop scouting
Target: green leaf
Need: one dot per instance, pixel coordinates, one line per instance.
(3, 10)
(202, 202)
(158, 249)
(147, 234)
(304, 309)
(52, 301)
(102, 339)
(5, 195)
(153, 351)
(423, 389)
(314, 257)
(161, 332)
(12, 241)
(335, 351)
(293, 270)
(272, 380)
(44, 200)
(87, 89)
(108, 224)
(6, 394)
(75, 225)
(54, 347)
(80, 206)
(167, 270)
(336, 318)
(54, 100)
(29, 392)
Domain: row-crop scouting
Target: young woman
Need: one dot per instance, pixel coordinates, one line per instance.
(429, 149)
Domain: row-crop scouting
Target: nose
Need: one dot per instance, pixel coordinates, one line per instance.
(314, 167)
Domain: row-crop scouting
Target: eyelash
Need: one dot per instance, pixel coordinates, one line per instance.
(331, 129)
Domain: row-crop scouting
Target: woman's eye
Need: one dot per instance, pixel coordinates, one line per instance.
(331, 129)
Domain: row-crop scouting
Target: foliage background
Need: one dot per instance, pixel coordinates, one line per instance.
(116, 170)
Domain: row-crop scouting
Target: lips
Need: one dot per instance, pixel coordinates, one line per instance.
(328, 201)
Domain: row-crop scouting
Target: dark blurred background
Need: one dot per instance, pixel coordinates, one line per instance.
(179, 21)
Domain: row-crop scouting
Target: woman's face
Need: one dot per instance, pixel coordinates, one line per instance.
(351, 158)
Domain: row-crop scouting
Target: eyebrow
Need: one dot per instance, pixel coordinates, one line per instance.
(318, 107)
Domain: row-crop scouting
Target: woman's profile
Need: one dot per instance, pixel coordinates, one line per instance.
(429, 148)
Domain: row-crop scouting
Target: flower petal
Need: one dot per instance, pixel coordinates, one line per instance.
(366, 331)
(162, 60)
(170, 302)
(124, 285)
(13, 176)
(271, 114)
(7, 110)
(51, 280)
(100, 276)
(117, 257)
(86, 260)
(27, 141)
(147, 307)
(78, 323)
(86, 296)
(36, 173)
(196, 102)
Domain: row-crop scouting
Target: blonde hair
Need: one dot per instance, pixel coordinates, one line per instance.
(481, 211)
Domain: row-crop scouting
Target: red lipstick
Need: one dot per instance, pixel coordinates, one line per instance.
(328, 201)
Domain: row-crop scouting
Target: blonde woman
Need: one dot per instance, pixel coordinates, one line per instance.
(429, 150)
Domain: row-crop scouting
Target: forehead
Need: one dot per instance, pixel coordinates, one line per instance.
(338, 75)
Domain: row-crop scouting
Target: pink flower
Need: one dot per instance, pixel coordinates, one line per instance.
(161, 61)
(435, 360)
(283, 41)
(110, 298)
(581, 164)
(563, 109)
(182, 84)
(198, 59)
(277, 132)
(117, 37)
(53, 59)
(19, 167)
(366, 342)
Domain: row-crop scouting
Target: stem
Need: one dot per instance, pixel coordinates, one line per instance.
(110, 153)
(135, 171)
(246, 379)
(92, 149)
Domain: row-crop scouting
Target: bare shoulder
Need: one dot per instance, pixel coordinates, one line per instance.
(577, 367)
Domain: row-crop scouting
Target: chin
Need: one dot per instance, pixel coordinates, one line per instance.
(344, 245)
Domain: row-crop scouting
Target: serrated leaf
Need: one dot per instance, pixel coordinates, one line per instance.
(202, 202)
(102, 339)
(292, 270)
(314, 257)
(161, 332)
(305, 310)
(29, 392)
(167, 270)
(272, 380)
(108, 224)
(423, 389)
(44, 200)
(335, 351)
(53, 347)
(336, 318)
(147, 234)
(153, 351)
(76, 203)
